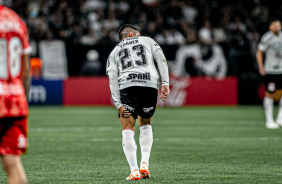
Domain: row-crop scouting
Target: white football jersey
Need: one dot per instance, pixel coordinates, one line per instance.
(134, 61)
(271, 45)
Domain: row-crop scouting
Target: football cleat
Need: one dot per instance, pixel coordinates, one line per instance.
(271, 125)
(135, 175)
(144, 171)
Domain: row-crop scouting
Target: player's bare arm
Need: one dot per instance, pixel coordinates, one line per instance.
(259, 56)
(25, 77)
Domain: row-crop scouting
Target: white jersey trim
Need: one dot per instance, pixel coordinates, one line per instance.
(27, 50)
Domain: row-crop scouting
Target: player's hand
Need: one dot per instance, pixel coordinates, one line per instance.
(164, 92)
(261, 71)
(123, 112)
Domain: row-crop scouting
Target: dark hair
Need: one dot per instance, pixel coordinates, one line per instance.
(124, 26)
(273, 19)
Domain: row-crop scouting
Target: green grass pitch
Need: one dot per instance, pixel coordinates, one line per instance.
(82, 145)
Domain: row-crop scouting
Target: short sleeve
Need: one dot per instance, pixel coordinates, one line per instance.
(25, 39)
(262, 46)
(264, 43)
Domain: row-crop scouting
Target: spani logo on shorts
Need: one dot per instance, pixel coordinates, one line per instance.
(128, 107)
(146, 110)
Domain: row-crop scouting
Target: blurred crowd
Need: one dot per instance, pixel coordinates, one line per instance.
(235, 25)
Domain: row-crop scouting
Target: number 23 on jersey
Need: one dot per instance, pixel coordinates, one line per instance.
(126, 59)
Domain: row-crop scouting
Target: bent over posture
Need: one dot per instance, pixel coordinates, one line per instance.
(134, 84)
(14, 86)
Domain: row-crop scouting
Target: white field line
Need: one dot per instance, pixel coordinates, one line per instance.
(109, 128)
(221, 139)
(210, 122)
(68, 129)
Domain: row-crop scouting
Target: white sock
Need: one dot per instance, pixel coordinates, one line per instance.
(130, 148)
(268, 109)
(146, 142)
(279, 116)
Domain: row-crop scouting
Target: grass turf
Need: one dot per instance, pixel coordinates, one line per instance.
(82, 145)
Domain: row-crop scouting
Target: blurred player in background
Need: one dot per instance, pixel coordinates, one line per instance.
(134, 84)
(14, 86)
(271, 46)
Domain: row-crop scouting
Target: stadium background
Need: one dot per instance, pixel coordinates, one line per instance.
(226, 34)
(202, 144)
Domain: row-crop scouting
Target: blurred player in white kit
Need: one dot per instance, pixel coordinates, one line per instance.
(134, 84)
(271, 46)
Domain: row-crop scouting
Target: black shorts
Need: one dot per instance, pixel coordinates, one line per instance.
(272, 82)
(140, 101)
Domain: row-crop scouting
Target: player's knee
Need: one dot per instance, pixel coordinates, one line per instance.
(7, 166)
(145, 121)
(22, 180)
(14, 171)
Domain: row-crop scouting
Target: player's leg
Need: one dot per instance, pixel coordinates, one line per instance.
(13, 143)
(279, 115)
(127, 123)
(268, 101)
(127, 97)
(146, 142)
(14, 169)
(148, 106)
(129, 146)
(145, 138)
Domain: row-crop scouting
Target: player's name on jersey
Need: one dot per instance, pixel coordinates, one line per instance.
(10, 89)
(7, 26)
(128, 43)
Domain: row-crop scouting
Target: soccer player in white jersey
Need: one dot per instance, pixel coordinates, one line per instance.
(271, 46)
(134, 84)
